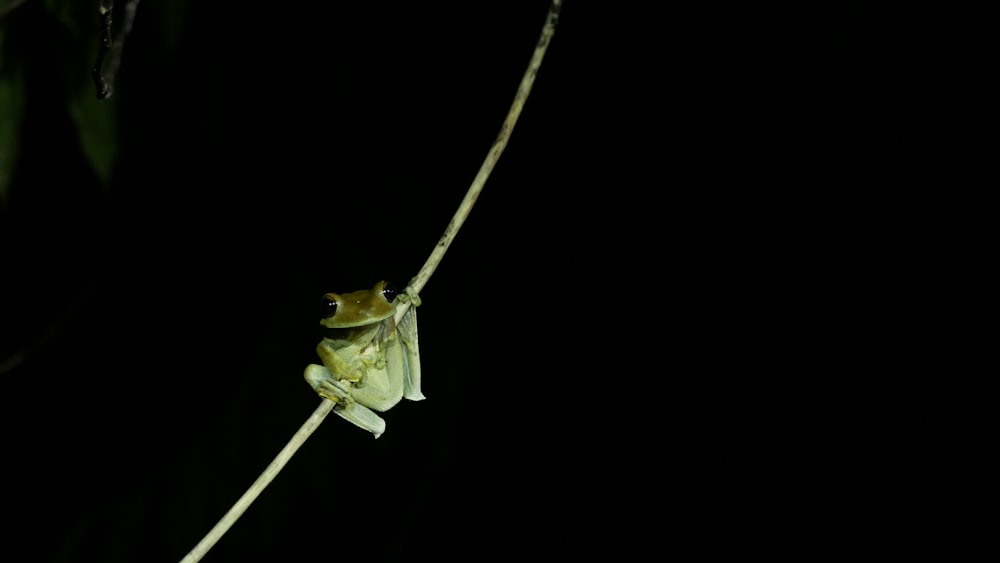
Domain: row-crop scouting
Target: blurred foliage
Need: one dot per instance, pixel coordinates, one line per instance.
(11, 105)
(66, 28)
(96, 128)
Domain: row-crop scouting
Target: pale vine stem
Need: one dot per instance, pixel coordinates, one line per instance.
(416, 284)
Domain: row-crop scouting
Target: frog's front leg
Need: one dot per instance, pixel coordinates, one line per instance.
(320, 378)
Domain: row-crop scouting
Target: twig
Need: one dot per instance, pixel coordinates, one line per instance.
(105, 86)
(260, 484)
(524, 89)
(414, 287)
(116, 50)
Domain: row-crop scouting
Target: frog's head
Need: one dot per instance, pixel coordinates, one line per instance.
(358, 308)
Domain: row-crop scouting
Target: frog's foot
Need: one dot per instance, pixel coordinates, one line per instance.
(409, 295)
(323, 383)
(340, 392)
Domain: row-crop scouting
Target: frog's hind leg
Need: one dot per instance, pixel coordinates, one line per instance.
(340, 392)
(362, 417)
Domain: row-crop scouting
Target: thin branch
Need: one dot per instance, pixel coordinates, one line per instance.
(524, 89)
(414, 287)
(261, 483)
(105, 85)
(116, 50)
(97, 73)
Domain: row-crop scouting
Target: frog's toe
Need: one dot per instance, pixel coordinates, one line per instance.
(336, 392)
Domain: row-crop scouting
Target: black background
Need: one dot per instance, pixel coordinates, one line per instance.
(688, 210)
(272, 155)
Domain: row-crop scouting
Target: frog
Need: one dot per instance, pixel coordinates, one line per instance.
(370, 362)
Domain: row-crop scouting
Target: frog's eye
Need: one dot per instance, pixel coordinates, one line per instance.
(328, 307)
(389, 292)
